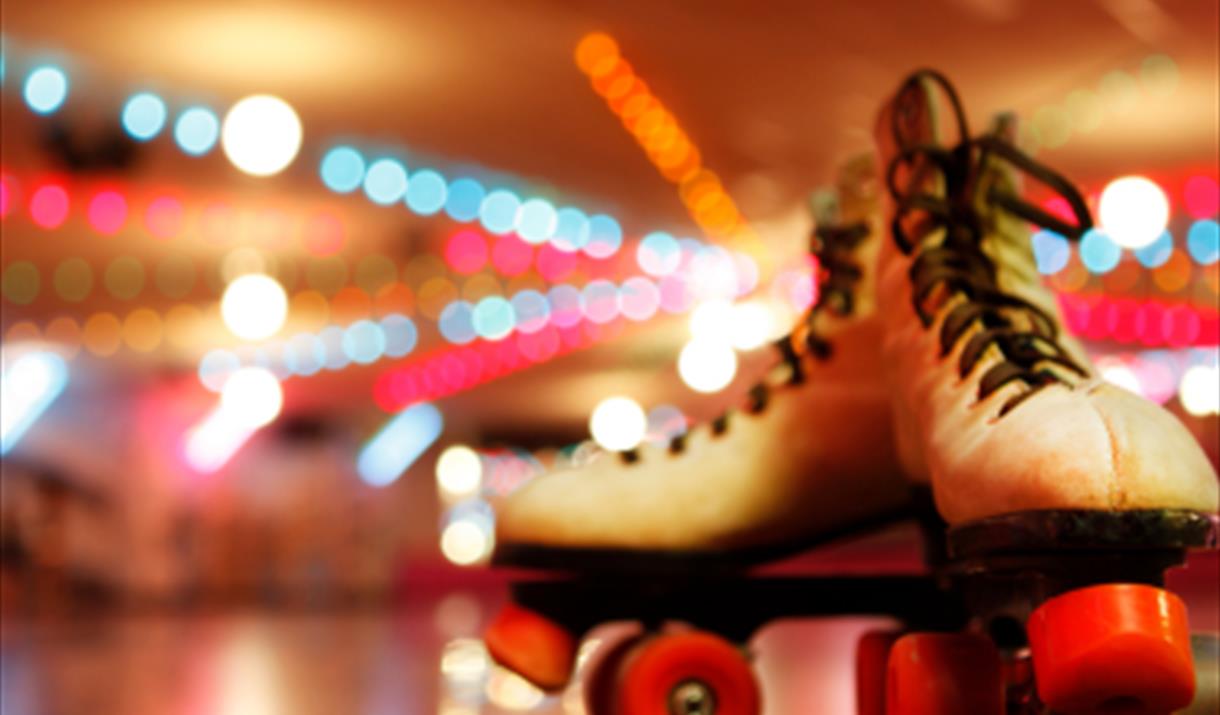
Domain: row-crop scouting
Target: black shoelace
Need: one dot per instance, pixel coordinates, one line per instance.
(958, 264)
(838, 273)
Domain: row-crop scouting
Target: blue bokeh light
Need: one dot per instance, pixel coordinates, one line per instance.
(364, 342)
(385, 182)
(531, 309)
(464, 199)
(456, 323)
(498, 213)
(605, 237)
(401, 335)
(1051, 252)
(1155, 254)
(398, 444)
(571, 229)
(536, 221)
(658, 254)
(197, 130)
(565, 305)
(426, 192)
(332, 337)
(493, 318)
(215, 368)
(144, 116)
(1203, 241)
(599, 301)
(304, 354)
(46, 88)
(342, 169)
(1099, 253)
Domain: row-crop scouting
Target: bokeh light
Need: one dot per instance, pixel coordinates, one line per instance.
(466, 542)
(254, 306)
(536, 221)
(466, 252)
(342, 169)
(144, 116)
(498, 212)
(385, 182)
(1051, 252)
(49, 206)
(251, 397)
(1199, 390)
(1203, 241)
(618, 423)
(1156, 253)
(638, 298)
(107, 212)
(197, 130)
(752, 324)
(605, 237)
(456, 323)
(364, 342)
(459, 472)
(659, 254)
(1202, 196)
(531, 310)
(46, 89)
(464, 199)
(1098, 253)
(511, 256)
(707, 365)
(1133, 211)
(261, 135)
(427, 192)
(571, 230)
(599, 301)
(493, 318)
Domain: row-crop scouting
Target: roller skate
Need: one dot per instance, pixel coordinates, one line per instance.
(1066, 498)
(667, 536)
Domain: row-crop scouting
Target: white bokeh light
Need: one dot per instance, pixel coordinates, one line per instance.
(261, 135)
(752, 325)
(618, 423)
(1133, 211)
(254, 306)
(707, 365)
(1199, 390)
(465, 542)
(713, 321)
(459, 471)
(251, 397)
(1124, 377)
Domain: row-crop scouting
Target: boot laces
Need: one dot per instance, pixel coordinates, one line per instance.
(958, 265)
(834, 246)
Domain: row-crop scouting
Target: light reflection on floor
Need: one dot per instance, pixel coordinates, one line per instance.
(421, 658)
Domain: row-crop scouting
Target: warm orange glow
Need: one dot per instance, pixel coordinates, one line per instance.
(665, 143)
(593, 48)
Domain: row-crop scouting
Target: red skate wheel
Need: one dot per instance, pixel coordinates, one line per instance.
(1115, 648)
(691, 673)
(944, 674)
(532, 646)
(602, 674)
(872, 659)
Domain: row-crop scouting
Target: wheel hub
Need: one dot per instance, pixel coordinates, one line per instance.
(692, 697)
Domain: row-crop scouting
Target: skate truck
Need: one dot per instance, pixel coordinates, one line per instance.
(1052, 612)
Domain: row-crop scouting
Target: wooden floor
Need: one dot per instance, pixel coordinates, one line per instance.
(422, 657)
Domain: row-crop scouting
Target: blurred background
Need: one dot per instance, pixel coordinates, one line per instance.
(292, 290)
